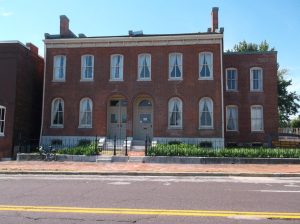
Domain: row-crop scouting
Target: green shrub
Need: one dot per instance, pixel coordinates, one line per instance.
(192, 150)
(87, 150)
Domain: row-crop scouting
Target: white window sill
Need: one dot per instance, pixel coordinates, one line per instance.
(256, 91)
(206, 128)
(208, 78)
(235, 131)
(116, 80)
(144, 80)
(82, 127)
(56, 126)
(175, 128)
(86, 80)
(175, 79)
(257, 131)
(58, 80)
(232, 90)
(1, 135)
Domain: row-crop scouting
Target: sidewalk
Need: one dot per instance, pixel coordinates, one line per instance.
(43, 167)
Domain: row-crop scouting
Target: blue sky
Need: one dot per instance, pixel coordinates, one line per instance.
(276, 21)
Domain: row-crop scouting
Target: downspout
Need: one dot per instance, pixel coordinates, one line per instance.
(44, 86)
(222, 88)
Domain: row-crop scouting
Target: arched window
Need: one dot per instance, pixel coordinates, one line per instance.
(2, 120)
(206, 113)
(59, 68)
(87, 67)
(116, 67)
(144, 67)
(205, 65)
(57, 113)
(85, 117)
(175, 66)
(175, 113)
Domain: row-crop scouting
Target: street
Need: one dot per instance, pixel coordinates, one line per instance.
(67, 199)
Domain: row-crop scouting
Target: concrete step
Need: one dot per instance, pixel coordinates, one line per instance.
(136, 159)
(104, 159)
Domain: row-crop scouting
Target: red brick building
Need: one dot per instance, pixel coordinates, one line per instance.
(21, 82)
(166, 87)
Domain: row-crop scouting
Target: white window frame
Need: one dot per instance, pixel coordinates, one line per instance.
(170, 113)
(262, 118)
(211, 66)
(236, 79)
(211, 113)
(53, 113)
(55, 68)
(84, 67)
(139, 66)
(237, 117)
(2, 120)
(121, 68)
(81, 111)
(260, 89)
(180, 65)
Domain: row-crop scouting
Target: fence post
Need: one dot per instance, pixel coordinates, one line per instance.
(126, 152)
(96, 148)
(146, 145)
(115, 145)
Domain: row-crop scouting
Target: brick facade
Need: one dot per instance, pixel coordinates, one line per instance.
(159, 89)
(21, 77)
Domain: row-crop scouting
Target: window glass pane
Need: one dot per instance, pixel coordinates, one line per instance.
(145, 103)
(175, 113)
(206, 113)
(175, 65)
(205, 65)
(231, 115)
(144, 66)
(113, 118)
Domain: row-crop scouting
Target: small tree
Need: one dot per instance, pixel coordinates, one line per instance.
(295, 123)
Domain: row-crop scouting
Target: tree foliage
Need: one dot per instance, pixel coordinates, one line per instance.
(295, 123)
(287, 101)
(243, 46)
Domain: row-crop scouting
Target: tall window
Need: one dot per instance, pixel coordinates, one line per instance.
(2, 119)
(231, 118)
(57, 114)
(144, 67)
(87, 67)
(206, 65)
(85, 118)
(206, 113)
(116, 69)
(175, 113)
(231, 79)
(256, 79)
(175, 66)
(257, 122)
(59, 68)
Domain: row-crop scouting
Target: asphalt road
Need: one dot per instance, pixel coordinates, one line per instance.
(124, 199)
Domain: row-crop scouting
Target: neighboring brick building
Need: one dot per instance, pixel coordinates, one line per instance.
(21, 82)
(170, 86)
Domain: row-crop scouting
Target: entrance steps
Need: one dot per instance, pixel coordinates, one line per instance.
(138, 145)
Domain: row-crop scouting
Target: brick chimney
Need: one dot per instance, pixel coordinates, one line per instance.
(214, 19)
(32, 48)
(64, 26)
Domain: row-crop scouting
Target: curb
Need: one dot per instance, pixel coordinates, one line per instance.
(137, 173)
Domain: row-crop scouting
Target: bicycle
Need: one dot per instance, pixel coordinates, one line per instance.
(48, 153)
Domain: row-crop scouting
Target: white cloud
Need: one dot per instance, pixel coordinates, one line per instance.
(6, 14)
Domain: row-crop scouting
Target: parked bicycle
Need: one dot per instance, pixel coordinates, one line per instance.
(48, 153)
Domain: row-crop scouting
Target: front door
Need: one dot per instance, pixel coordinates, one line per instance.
(117, 118)
(143, 120)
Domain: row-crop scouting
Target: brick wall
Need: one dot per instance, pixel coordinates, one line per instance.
(244, 98)
(190, 90)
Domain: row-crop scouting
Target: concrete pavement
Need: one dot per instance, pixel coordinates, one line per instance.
(43, 167)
